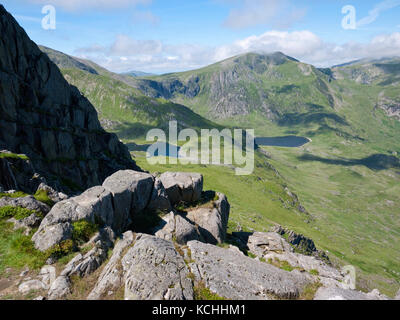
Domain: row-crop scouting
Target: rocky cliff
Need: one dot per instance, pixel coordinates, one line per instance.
(48, 120)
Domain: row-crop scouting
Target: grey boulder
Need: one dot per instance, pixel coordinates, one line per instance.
(212, 220)
(60, 288)
(231, 275)
(31, 285)
(154, 270)
(131, 193)
(182, 186)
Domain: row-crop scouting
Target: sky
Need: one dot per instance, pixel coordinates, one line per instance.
(160, 36)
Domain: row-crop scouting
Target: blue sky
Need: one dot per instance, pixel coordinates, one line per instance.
(163, 36)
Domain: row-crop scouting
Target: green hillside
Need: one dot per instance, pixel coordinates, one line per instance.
(123, 109)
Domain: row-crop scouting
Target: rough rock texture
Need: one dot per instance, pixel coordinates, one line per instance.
(333, 293)
(302, 244)
(60, 288)
(131, 193)
(182, 186)
(159, 198)
(174, 226)
(17, 173)
(54, 195)
(84, 265)
(207, 223)
(111, 277)
(272, 247)
(33, 221)
(233, 276)
(212, 222)
(28, 202)
(31, 285)
(47, 275)
(149, 268)
(93, 205)
(44, 117)
(154, 270)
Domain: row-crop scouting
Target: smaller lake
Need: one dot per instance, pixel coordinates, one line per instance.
(288, 141)
(165, 150)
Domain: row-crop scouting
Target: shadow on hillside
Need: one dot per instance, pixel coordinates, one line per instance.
(132, 130)
(373, 162)
(309, 118)
(325, 128)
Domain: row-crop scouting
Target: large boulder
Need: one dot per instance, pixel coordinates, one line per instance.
(148, 268)
(182, 186)
(212, 221)
(131, 193)
(154, 270)
(94, 205)
(231, 275)
(60, 288)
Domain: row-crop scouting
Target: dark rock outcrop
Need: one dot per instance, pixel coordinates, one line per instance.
(44, 117)
(301, 243)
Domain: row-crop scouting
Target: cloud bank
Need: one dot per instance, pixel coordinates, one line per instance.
(126, 53)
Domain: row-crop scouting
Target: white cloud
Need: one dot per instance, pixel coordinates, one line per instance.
(145, 17)
(377, 10)
(127, 46)
(276, 13)
(77, 5)
(155, 56)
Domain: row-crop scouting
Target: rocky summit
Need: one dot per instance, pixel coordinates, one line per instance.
(48, 121)
(135, 238)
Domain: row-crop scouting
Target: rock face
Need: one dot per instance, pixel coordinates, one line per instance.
(232, 275)
(111, 277)
(17, 172)
(44, 117)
